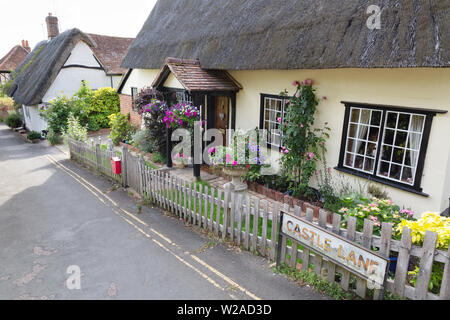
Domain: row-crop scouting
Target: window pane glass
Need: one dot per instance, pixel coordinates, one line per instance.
(384, 169)
(351, 145)
(391, 120)
(349, 159)
(414, 141)
(353, 131)
(389, 137)
(369, 165)
(354, 116)
(361, 147)
(373, 134)
(407, 175)
(398, 155)
(376, 118)
(400, 139)
(371, 150)
(359, 162)
(386, 153)
(395, 172)
(417, 123)
(403, 121)
(363, 132)
(365, 116)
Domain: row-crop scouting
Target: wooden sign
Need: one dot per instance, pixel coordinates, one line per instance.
(349, 255)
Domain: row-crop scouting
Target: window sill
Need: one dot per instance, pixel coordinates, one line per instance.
(382, 181)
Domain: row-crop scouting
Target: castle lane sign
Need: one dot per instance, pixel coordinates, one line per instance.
(352, 257)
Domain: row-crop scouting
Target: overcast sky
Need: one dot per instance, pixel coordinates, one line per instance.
(25, 19)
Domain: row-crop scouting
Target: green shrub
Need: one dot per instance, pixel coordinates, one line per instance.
(142, 141)
(13, 120)
(53, 138)
(75, 130)
(104, 102)
(158, 157)
(33, 135)
(58, 113)
(121, 129)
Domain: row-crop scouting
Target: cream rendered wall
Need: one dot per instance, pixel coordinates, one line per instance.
(418, 87)
(33, 120)
(139, 78)
(173, 82)
(69, 79)
(82, 55)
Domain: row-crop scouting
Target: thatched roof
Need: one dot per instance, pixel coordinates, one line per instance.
(13, 59)
(194, 78)
(294, 34)
(39, 70)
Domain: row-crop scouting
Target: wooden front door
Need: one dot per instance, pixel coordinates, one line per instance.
(222, 116)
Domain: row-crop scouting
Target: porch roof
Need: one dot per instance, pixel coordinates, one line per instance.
(194, 78)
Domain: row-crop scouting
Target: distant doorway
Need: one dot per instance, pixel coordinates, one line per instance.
(221, 115)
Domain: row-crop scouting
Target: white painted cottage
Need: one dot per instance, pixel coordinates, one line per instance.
(58, 65)
(379, 83)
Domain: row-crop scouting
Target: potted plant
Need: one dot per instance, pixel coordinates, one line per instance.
(236, 160)
(180, 160)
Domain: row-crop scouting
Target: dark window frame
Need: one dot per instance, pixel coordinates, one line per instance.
(429, 115)
(134, 94)
(263, 97)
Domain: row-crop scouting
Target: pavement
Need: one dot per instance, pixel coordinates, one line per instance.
(68, 234)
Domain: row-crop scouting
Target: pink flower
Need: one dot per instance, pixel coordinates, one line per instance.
(308, 82)
(297, 95)
(325, 98)
(301, 125)
(279, 120)
(311, 155)
(235, 163)
(295, 83)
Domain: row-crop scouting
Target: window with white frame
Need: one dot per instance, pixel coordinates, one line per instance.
(386, 144)
(273, 113)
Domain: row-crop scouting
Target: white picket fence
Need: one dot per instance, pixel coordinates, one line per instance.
(250, 223)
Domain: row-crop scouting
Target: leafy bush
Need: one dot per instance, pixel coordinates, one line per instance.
(58, 113)
(142, 141)
(92, 109)
(377, 210)
(158, 157)
(53, 138)
(121, 129)
(75, 130)
(13, 120)
(430, 221)
(303, 141)
(33, 135)
(104, 102)
(153, 109)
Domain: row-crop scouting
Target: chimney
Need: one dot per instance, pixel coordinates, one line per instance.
(25, 45)
(52, 26)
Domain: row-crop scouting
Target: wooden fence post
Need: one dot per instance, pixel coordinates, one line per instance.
(98, 157)
(426, 265)
(124, 166)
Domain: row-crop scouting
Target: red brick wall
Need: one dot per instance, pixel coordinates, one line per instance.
(126, 107)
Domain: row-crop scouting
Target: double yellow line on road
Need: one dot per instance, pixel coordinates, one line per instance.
(125, 215)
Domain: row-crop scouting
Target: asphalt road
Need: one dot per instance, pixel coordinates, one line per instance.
(58, 219)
